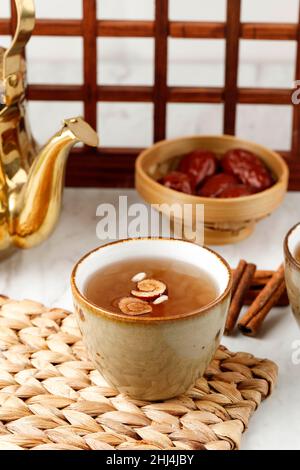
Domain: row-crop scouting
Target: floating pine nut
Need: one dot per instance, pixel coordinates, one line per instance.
(138, 277)
(160, 300)
(149, 289)
(133, 306)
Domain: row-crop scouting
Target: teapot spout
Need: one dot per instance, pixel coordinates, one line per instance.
(35, 210)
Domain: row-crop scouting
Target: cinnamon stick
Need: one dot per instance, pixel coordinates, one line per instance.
(238, 297)
(237, 274)
(260, 279)
(262, 273)
(254, 291)
(266, 299)
(259, 273)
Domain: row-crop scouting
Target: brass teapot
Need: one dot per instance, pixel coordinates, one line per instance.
(31, 179)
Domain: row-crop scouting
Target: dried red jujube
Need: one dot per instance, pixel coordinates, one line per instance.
(179, 182)
(248, 168)
(237, 190)
(215, 184)
(199, 164)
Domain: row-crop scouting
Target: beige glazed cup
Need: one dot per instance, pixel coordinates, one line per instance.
(152, 358)
(292, 269)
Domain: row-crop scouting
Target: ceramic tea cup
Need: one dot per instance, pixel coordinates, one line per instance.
(292, 269)
(152, 358)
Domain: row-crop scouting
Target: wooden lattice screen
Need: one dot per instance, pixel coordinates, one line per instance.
(115, 166)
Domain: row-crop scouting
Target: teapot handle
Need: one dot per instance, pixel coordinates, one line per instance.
(13, 63)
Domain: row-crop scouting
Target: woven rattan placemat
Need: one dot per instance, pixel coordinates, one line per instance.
(51, 397)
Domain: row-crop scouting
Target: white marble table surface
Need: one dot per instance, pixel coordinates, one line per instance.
(43, 274)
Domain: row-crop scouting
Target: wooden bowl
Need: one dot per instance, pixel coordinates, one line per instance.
(226, 220)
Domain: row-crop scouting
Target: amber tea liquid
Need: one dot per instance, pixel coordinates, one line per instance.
(188, 287)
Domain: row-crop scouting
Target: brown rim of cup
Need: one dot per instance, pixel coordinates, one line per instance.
(287, 252)
(97, 310)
